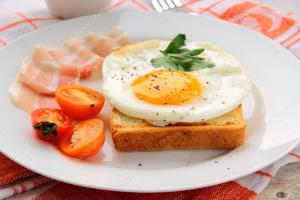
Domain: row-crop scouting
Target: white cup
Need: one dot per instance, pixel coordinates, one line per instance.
(73, 8)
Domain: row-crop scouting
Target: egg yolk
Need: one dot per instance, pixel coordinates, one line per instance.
(167, 87)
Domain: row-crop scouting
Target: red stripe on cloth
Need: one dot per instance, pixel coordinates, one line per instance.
(117, 4)
(211, 6)
(228, 191)
(140, 4)
(43, 19)
(290, 37)
(293, 43)
(209, 11)
(213, 13)
(7, 26)
(2, 42)
(29, 184)
(27, 20)
(189, 3)
(238, 8)
(271, 24)
(293, 154)
(265, 174)
(40, 180)
(11, 25)
(11, 171)
(189, 8)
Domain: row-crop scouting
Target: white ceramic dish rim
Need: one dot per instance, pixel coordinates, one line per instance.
(156, 190)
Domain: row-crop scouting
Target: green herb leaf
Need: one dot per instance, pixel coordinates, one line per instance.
(47, 128)
(193, 52)
(176, 44)
(201, 64)
(164, 61)
(179, 58)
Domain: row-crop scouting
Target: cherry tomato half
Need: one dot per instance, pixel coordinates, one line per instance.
(50, 124)
(79, 102)
(84, 140)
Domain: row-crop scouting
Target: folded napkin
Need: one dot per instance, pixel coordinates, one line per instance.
(20, 183)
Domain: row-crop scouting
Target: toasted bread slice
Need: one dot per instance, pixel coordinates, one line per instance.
(132, 134)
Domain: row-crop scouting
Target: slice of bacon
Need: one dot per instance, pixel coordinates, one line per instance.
(119, 36)
(46, 68)
(103, 45)
(82, 57)
(27, 99)
(95, 47)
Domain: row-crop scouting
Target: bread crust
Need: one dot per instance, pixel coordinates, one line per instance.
(131, 134)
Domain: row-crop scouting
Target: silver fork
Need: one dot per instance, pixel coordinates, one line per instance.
(162, 5)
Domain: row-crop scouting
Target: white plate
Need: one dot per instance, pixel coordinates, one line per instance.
(271, 110)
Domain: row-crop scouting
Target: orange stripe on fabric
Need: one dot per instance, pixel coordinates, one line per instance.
(11, 25)
(286, 24)
(189, 8)
(210, 6)
(2, 42)
(117, 4)
(189, 2)
(209, 11)
(11, 171)
(213, 13)
(42, 19)
(293, 154)
(265, 22)
(265, 174)
(290, 37)
(238, 8)
(22, 21)
(140, 4)
(228, 191)
(293, 43)
(41, 180)
(27, 20)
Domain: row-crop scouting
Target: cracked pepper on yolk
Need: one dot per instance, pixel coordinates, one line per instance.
(167, 87)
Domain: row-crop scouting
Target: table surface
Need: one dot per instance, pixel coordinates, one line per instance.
(286, 183)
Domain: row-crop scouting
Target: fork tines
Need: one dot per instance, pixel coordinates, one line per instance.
(162, 5)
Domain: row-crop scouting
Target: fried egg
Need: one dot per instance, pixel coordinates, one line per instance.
(163, 96)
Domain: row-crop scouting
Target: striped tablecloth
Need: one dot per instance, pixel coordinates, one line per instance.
(282, 26)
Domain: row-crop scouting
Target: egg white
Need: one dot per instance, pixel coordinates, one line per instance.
(225, 85)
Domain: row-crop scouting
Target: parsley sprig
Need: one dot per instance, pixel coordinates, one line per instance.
(47, 128)
(175, 56)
